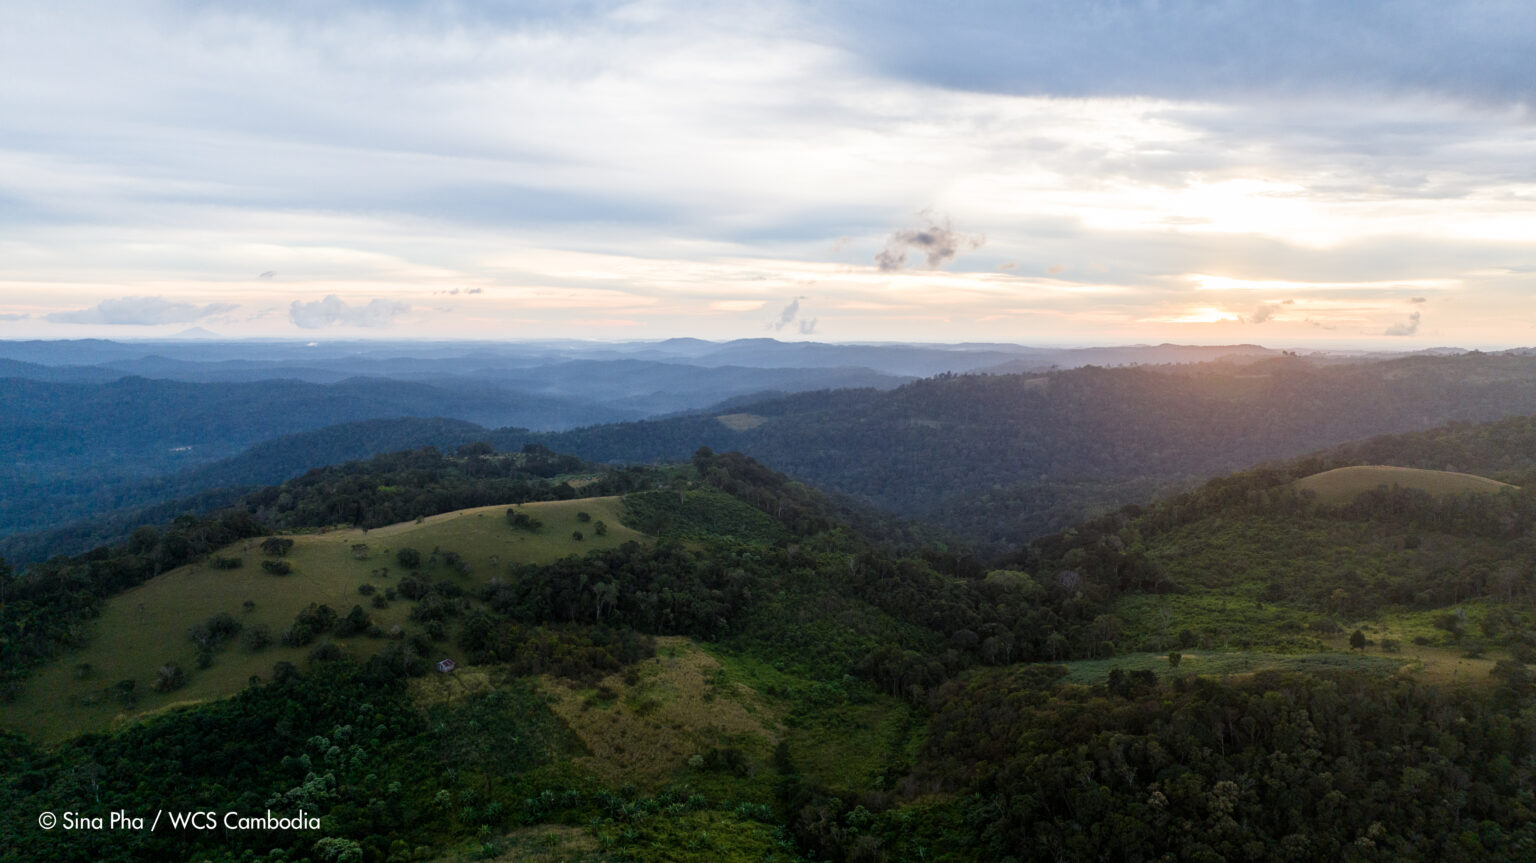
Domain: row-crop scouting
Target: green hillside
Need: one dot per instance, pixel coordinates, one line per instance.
(146, 627)
(1244, 671)
(1344, 484)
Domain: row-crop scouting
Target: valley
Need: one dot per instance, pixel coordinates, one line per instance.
(709, 659)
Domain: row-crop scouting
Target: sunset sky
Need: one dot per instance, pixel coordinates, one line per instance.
(1044, 173)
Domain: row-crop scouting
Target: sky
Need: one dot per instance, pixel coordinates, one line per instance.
(1311, 173)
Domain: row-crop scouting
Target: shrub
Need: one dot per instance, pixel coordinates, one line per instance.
(258, 638)
(226, 563)
(325, 652)
(277, 567)
(355, 622)
(169, 678)
(214, 631)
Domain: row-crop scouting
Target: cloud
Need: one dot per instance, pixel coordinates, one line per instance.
(1264, 312)
(938, 243)
(1419, 300)
(1405, 328)
(269, 275)
(1199, 48)
(808, 326)
(788, 315)
(333, 310)
(140, 311)
(14, 317)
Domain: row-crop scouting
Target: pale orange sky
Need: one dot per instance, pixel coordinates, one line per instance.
(647, 170)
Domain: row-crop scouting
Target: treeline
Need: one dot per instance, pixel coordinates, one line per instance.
(1017, 767)
(46, 608)
(1002, 459)
(91, 513)
(396, 487)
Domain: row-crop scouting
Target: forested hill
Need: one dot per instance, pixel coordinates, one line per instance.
(65, 446)
(103, 514)
(1000, 459)
(756, 682)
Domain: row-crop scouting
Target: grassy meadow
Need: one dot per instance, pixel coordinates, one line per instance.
(1341, 485)
(146, 627)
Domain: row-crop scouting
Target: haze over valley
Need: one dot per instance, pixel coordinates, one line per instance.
(632, 431)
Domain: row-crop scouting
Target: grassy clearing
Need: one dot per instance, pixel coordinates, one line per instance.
(854, 746)
(1221, 663)
(146, 627)
(741, 422)
(1215, 620)
(843, 742)
(1430, 664)
(1342, 485)
(643, 726)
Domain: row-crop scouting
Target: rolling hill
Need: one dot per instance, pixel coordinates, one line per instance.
(145, 627)
(758, 680)
(1000, 459)
(1344, 484)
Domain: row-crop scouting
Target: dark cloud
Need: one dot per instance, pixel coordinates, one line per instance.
(1200, 49)
(1405, 328)
(333, 310)
(938, 244)
(269, 275)
(140, 311)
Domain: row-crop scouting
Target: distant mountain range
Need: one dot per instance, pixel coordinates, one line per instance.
(100, 430)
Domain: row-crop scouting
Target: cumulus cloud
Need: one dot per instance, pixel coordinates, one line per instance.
(788, 315)
(140, 311)
(1405, 328)
(316, 314)
(1264, 312)
(938, 243)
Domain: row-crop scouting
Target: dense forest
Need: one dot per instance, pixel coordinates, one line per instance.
(986, 742)
(1000, 459)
